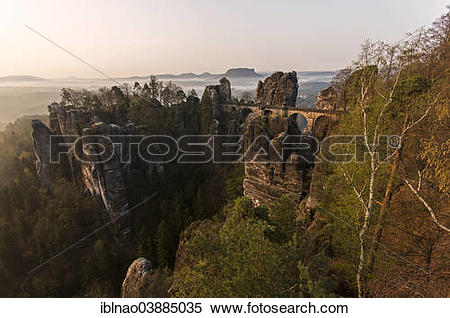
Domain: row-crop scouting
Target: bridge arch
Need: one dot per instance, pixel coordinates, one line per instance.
(320, 126)
(297, 123)
(267, 113)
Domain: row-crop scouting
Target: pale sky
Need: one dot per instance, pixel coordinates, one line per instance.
(124, 38)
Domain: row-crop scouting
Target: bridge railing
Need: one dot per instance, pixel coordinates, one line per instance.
(269, 107)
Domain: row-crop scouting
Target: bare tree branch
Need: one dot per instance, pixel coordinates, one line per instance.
(425, 203)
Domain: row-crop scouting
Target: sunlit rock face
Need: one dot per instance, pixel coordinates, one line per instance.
(327, 99)
(137, 280)
(142, 281)
(270, 172)
(278, 90)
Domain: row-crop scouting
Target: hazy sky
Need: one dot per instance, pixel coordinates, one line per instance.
(125, 38)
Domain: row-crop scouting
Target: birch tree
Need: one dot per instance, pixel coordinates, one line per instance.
(377, 77)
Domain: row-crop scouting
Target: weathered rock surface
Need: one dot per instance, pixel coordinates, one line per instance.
(142, 281)
(216, 96)
(41, 145)
(62, 121)
(278, 90)
(327, 99)
(103, 173)
(270, 173)
(68, 121)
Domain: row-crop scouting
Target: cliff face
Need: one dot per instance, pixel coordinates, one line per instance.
(137, 279)
(280, 89)
(102, 173)
(62, 122)
(216, 96)
(68, 121)
(41, 146)
(270, 173)
(142, 281)
(213, 99)
(105, 178)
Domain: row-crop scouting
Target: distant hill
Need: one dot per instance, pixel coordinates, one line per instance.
(242, 72)
(318, 73)
(22, 78)
(239, 72)
(186, 75)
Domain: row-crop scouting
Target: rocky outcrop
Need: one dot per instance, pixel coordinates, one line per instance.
(216, 96)
(270, 173)
(62, 121)
(142, 281)
(224, 90)
(41, 146)
(68, 121)
(327, 99)
(137, 278)
(95, 164)
(104, 173)
(278, 90)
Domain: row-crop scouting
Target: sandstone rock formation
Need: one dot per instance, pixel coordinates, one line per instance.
(102, 173)
(215, 96)
(278, 90)
(41, 146)
(327, 99)
(142, 281)
(68, 121)
(270, 173)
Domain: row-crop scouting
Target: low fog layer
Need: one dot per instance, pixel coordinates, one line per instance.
(28, 95)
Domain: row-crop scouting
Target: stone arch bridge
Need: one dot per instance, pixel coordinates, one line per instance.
(311, 116)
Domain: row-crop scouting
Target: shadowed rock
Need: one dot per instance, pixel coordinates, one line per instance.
(216, 96)
(142, 281)
(102, 172)
(41, 146)
(270, 173)
(278, 90)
